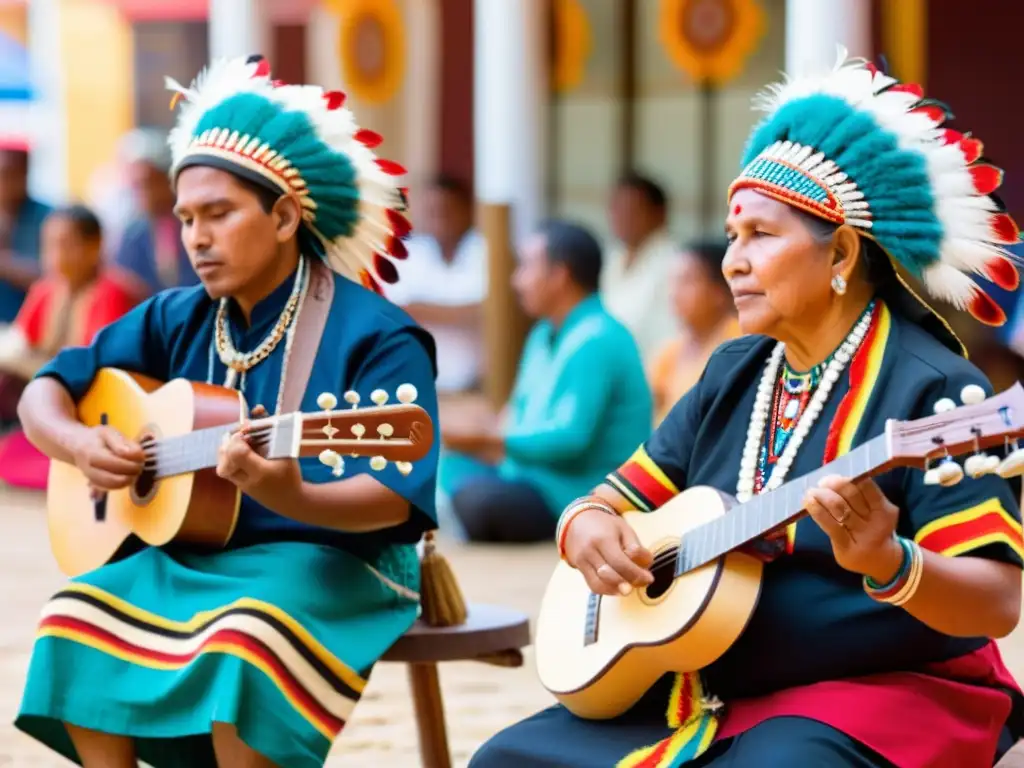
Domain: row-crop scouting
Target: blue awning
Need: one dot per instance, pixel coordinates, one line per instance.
(15, 78)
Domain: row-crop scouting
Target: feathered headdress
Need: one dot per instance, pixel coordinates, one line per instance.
(854, 146)
(302, 141)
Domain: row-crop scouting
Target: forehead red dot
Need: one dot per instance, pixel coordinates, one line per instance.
(737, 210)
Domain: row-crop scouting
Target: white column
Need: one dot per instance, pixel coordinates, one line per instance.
(47, 118)
(239, 28)
(814, 28)
(510, 101)
(422, 92)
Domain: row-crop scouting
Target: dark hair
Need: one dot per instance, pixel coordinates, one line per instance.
(710, 253)
(453, 186)
(880, 271)
(653, 192)
(266, 195)
(576, 247)
(84, 220)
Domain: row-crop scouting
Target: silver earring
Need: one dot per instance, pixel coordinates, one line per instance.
(839, 284)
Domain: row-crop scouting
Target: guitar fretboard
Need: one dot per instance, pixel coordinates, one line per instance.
(767, 511)
(191, 452)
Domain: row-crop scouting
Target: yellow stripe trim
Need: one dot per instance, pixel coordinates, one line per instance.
(347, 674)
(969, 515)
(872, 369)
(647, 465)
(227, 649)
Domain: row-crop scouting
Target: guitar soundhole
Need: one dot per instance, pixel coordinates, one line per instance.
(663, 572)
(144, 487)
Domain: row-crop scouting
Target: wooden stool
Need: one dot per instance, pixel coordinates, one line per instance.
(491, 634)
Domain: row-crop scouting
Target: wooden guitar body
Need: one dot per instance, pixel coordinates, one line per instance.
(198, 507)
(598, 655)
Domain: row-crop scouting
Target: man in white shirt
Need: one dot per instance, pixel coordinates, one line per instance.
(444, 282)
(637, 276)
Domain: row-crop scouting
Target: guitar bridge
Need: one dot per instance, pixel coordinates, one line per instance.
(593, 613)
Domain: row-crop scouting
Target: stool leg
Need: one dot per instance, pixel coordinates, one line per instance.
(426, 696)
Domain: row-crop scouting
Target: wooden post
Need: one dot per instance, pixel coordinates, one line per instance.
(504, 322)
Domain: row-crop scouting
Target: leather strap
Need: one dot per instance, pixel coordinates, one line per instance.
(309, 329)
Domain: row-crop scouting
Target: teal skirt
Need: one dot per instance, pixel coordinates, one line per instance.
(275, 639)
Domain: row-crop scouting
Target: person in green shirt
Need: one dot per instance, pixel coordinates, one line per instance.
(579, 403)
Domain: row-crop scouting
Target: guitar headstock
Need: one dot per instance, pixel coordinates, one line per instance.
(933, 442)
(400, 433)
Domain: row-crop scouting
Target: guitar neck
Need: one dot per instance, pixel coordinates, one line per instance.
(273, 437)
(768, 511)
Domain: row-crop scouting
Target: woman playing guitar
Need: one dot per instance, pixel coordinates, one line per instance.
(871, 644)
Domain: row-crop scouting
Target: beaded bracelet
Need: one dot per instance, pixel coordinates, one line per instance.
(904, 584)
(572, 511)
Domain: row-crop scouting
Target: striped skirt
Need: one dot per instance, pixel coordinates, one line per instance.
(275, 639)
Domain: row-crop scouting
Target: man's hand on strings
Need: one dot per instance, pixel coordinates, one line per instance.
(274, 484)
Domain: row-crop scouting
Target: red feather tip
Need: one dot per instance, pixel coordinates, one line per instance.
(1004, 229)
(278, 83)
(334, 99)
(397, 249)
(935, 113)
(399, 224)
(972, 149)
(369, 283)
(385, 269)
(262, 68)
(985, 310)
(987, 178)
(368, 138)
(871, 68)
(1001, 271)
(949, 136)
(390, 167)
(911, 88)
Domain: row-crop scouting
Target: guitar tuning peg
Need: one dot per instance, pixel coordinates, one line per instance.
(404, 467)
(352, 398)
(1012, 465)
(379, 396)
(931, 477)
(950, 473)
(944, 405)
(326, 401)
(333, 460)
(359, 430)
(972, 394)
(406, 393)
(981, 464)
(385, 430)
(377, 463)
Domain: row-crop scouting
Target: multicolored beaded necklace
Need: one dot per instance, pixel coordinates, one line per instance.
(793, 391)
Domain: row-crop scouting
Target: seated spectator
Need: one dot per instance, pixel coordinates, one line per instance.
(580, 402)
(67, 306)
(637, 273)
(21, 218)
(151, 256)
(444, 282)
(707, 317)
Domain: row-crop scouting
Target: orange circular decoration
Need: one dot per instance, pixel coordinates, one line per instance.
(572, 44)
(371, 44)
(710, 40)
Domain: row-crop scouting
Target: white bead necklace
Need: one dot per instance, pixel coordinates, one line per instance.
(763, 404)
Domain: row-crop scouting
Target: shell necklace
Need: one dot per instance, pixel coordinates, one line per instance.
(238, 363)
(763, 403)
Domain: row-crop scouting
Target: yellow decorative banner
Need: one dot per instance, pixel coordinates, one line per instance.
(573, 43)
(371, 44)
(711, 40)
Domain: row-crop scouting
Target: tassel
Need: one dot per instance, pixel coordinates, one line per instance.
(440, 596)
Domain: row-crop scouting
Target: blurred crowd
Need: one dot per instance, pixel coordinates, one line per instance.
(621, 330)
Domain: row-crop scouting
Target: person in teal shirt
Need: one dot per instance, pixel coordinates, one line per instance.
(579, 401)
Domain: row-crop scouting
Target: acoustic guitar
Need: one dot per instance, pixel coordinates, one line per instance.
(598, 655)
(180, 425)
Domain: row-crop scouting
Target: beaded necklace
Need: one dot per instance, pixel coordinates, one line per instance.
(756, 475)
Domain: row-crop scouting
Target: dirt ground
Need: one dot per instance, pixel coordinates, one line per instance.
(479, 699)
